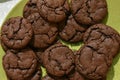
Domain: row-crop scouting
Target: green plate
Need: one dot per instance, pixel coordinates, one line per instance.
(113, 20)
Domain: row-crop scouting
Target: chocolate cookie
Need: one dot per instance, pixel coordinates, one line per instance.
(109, 39)
(21, 65)
(91, 63)
(44, 33)
(30, 8)
(53, 10)
(89, 12)
(72, 32)
(58, 60)
(16, 33)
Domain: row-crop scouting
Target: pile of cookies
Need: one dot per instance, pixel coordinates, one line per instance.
(32, 41)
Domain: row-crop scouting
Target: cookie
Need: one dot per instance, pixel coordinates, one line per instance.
(45, 33)
(30, 8)
(58, 60)
(16, 33)
(89, 12)
(109, 39)
(90, 63)
(21, 65)
(72, 32)
(53, 10)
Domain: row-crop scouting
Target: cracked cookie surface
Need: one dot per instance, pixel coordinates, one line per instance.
(72, 32)
(21, 65)
(53, 10)
(90, 63)
(16, 33)
(30, 8)
(58, 60)
(89, 12)
(109, 39)
(45, 33)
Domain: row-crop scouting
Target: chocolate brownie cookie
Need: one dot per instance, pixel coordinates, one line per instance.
(89, 12)
(30, 8)
(53, 10)
(72, 32)
(58, 60)
(91, 63)
(44, 33)
(21, 65)
(109, 38)
(16, 33)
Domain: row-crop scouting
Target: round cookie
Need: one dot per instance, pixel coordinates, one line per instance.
(16, 33)
(89, 12)
(58, 60)
(21, 65)
(72, 32)
(30, 8)
(90, 63)
(45, 33)
(53, 10)
(109, 38)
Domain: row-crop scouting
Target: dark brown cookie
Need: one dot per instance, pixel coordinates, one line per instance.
(16, 33)
(109, 39)
(53, 10)
(89, 12)
(45, 33)
(58, 60)
(30, 8)
(72, 32)
(76, 76)
(91, 63)
(21, 65)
